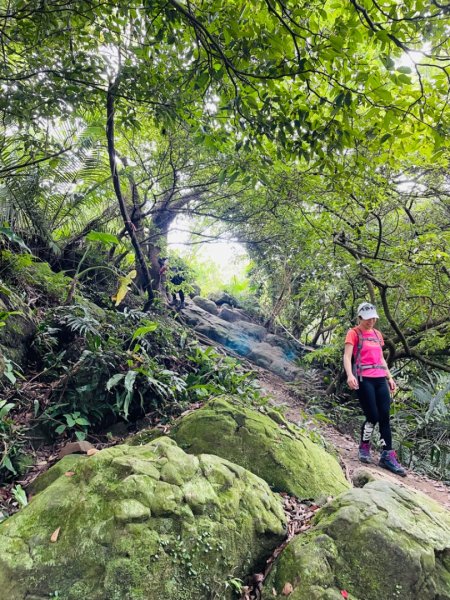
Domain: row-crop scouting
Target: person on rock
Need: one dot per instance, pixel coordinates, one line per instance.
(176, 279)
(367, 373)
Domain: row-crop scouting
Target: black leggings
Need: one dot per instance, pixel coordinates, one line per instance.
(375, 400)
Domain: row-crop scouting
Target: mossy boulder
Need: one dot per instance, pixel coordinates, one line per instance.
(380, 541)
(146, 522)
(65, 465)
(278, 452)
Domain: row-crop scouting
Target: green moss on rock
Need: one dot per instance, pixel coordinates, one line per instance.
(66, 464)
(146, 522)
(280, 454)
(381, 541)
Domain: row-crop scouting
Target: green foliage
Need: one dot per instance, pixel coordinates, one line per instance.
(327, 356)
(146, 327)
(51, 199)
(9, 234)
(104, 238)
(4, 314)
(263, 68)
(422, 425)
(102, 369)
(302, 130)
(79, 402)
(10, 370)
(235, 584)
(33, 277)
(18, 493)
(76, 423)
(149, 385)
(213, 374)
(80, 321)
(12, 440)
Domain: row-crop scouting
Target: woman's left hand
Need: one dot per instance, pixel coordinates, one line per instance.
(392, 385)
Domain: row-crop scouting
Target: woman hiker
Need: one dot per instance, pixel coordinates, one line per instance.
(373, 383)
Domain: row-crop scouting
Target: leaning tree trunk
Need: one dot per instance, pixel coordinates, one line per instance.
(145, 274)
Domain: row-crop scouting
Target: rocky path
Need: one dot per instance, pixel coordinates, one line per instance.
(281, 394)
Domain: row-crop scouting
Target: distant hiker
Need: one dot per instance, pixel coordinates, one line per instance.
(178, 279)
(368, 374)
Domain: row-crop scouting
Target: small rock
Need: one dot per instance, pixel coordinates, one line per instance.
(74, 448)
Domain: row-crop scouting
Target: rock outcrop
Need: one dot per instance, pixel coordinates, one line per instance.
(17, 331)
(278, 452)
(207, 305)
(141, 523)
(379, 541)
(233, 330)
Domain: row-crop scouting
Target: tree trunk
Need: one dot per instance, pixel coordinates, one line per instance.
(130, 228)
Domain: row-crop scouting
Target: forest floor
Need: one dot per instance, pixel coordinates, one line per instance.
(281, 394)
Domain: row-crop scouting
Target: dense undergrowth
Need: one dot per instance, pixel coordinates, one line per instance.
(88, 373)
(84, 369)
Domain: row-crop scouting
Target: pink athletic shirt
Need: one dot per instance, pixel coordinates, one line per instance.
(371, 352)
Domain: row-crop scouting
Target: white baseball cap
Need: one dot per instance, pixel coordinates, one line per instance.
(367, 311)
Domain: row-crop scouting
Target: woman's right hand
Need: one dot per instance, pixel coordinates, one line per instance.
(352, 382)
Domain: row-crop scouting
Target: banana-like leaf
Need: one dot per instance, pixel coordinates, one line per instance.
(124, 283)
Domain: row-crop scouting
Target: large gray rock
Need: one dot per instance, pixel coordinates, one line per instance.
(195, 291)
(223, 298)
(227, 313)
(287, 345)
(206, 304)
(230, 315)
(379, 541)
(140, 523)
(246, 339)
(17, 332)
(257, 332)
(285, 369)
(213, 327)
(273, 358)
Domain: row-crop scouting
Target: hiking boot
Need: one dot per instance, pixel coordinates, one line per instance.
(388, 460)
(364, 452)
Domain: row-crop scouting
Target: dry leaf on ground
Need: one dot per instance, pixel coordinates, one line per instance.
(55, 535)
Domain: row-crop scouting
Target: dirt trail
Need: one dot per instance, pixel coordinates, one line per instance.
(346, 446)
